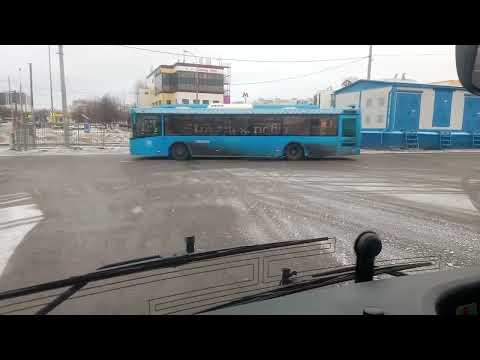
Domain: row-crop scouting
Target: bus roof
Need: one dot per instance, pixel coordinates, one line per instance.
(255, 109)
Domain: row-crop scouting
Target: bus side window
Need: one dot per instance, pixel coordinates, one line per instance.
(324, 126)
(296, 125)
(211, 125)
(147, 125)
(265, 125)
(178, 125)
(236, 125)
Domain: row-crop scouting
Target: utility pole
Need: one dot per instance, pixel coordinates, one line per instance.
(10, 96)
(21, 100)
(31, 107)
(15, 140)
(9, 89)
(369, 62)
(51, 88)
(64, 96)
(12, 137)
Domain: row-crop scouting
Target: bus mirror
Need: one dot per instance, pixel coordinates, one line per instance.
(468, 67)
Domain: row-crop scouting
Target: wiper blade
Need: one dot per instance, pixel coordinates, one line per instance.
(128, 262)
(75, 283)
(318, 280)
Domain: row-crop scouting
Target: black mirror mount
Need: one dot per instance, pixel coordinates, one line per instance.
(468, 67)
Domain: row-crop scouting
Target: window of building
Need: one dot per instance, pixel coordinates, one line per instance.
(196, 101)
(168, 82)
(185, 101)
(381, 101)
(379, 119)
(205, 102)
(216, 101)
(169, 102)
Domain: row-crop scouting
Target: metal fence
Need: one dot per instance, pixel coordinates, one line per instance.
(24, 137)
(79, 134)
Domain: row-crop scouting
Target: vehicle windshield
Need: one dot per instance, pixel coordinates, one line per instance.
(118, 160)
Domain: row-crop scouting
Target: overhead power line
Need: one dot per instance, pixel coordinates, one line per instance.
(273, 61)
(303, 75)
(240, 60)
(397, 55)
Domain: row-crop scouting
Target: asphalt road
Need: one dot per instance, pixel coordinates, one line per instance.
(72, 214)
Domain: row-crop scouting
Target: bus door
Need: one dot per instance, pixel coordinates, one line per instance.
(349, 135)
(208, 133)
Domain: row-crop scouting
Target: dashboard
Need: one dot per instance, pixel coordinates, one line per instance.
(449, 292)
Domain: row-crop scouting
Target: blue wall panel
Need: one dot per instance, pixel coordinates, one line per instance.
(471, 114)
(406, 114)
(442, 108)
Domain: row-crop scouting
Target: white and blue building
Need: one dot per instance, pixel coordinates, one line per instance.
(413, 115)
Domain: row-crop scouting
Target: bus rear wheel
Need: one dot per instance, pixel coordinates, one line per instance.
(179, 152)
(294, 152)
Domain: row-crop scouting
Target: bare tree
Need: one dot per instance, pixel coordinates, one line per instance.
(106, 110)
(4, 113)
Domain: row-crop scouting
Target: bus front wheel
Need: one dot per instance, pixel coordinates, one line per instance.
(294, 152)
(180, 152)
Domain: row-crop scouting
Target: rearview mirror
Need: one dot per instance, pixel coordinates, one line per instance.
(468, 67)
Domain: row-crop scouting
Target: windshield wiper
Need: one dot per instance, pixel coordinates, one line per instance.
(75, 283)
(322, 279)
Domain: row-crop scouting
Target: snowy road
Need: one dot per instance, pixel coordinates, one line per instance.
(81, 212)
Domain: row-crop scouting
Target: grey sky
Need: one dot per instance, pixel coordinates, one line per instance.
(93, 70)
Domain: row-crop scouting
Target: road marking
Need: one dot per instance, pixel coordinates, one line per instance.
(15, 223)
(15, 200)
(2, 197)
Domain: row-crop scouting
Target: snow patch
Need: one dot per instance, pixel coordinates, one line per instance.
(452, 201)
(15, 223)
(137, 210)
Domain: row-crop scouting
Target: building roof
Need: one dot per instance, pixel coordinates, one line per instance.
(186, 64)
(369, 84)
(448, 82)
(255, 109)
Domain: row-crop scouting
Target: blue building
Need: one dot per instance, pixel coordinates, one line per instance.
(413, 115)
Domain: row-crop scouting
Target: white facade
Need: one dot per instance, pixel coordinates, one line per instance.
(325, 99)
(374, 107)
(427, 104)
(347, 100)
(145, 97)
(458, 104)
(211, 98)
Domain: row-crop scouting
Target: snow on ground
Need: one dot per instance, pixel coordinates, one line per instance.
(96, 136)
(16, 221)
(62, 150)
(5, 132)
(419, 151)
(53, 136)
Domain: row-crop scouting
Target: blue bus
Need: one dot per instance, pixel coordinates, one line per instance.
(293, 132)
